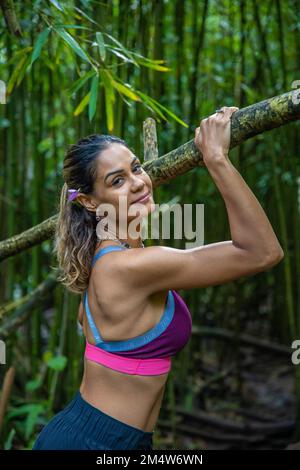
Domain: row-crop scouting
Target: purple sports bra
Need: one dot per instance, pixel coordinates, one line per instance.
(149, 353)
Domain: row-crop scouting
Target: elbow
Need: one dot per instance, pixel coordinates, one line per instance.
(274, 258)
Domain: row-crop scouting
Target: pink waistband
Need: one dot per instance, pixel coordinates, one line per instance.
(125, 364)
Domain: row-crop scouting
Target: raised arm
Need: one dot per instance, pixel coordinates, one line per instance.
(254, 246)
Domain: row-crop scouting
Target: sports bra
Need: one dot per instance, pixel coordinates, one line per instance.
(149, 353)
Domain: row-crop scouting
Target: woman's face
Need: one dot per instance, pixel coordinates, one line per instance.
(122, 180)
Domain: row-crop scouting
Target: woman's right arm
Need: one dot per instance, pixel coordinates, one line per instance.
(249, 226)
(254, 246)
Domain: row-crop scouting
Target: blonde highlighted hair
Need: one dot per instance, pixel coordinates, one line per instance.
(75, 236)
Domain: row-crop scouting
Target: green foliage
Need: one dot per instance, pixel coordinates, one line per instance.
(114, 46)
(93, 97)
(31, 413)
(57, 362)
(41, 39)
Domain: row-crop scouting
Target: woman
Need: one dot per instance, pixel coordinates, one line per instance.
(127, 288)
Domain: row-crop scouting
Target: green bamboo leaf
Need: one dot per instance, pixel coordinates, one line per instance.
(151, 105)
(107, 82)
(126, 51)
(17, 54)
(151, 63)
(168, 111)
(73, 44)
(101, 45)
(57, 5)
(109, 101)
(109, 98)
(119, 54)
(125, 91)
(156, 105)
(41, 39)
(80, 82)
(15, 75)
(154, 61)
(73, 26)
(93, 97)
(109, 113)
(83, 103)
(23, 70)
(85, 15)
(153, 66)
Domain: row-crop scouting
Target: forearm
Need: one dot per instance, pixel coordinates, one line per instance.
(249, 226)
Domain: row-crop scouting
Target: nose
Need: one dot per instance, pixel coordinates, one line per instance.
(137, 183)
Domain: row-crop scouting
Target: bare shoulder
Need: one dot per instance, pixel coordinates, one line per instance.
(122, 307)
(109, 287)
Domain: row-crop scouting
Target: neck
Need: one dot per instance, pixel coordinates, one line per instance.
(132, 242)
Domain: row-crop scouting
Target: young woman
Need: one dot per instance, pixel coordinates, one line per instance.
(133, 319)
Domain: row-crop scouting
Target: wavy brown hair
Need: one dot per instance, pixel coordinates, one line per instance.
(75, 236)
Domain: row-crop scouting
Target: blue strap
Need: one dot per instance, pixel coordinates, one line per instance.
(104, 251)
(91, 322)
(93, 327)
(150, 335)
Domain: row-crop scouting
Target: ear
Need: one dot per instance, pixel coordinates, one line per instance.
(86, 202)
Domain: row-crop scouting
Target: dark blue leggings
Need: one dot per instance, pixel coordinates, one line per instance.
(81, 426)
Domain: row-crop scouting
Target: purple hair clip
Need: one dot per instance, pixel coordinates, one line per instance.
(73, 193)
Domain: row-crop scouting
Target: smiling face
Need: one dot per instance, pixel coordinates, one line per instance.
(120, 174)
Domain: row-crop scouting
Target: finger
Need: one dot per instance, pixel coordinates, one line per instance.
(229, 110)
(233, 109)
(223, 112)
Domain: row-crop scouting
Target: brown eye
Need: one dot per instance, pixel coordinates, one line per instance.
(116, 180)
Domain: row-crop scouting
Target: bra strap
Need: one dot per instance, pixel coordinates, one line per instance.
(91, 322)
(104, 251)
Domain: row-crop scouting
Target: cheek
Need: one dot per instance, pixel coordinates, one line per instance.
(122, 195)
(148, 180)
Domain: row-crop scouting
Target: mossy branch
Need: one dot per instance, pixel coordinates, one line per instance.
(245, 123)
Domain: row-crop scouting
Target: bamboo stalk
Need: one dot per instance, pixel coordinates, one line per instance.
(10, 17)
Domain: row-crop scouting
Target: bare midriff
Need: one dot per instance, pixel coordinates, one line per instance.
(133, 399)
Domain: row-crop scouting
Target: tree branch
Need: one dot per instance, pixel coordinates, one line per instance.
(245, 123)
(36, 297)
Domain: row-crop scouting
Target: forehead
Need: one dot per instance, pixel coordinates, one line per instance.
(115, 157)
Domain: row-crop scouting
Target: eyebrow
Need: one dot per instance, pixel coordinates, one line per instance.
(118, 171)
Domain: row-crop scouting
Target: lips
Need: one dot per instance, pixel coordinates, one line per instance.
(142, 197)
